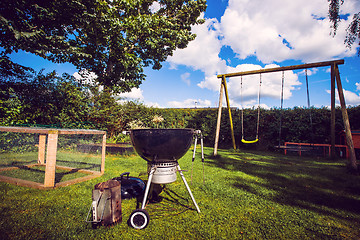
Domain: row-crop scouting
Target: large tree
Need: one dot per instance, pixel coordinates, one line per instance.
(114, 39)
(353, 30)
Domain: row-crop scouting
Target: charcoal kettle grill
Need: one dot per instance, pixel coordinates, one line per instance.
(161, 148)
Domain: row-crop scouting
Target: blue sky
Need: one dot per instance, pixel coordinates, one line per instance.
(242, 35)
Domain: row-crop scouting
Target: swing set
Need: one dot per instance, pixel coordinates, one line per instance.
(335, 79)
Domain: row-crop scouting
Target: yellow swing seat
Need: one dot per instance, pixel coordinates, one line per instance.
(252, 141)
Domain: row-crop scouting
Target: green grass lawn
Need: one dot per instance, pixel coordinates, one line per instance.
(65, 158)
(246, 195)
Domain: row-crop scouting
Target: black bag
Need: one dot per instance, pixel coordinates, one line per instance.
(131, 187)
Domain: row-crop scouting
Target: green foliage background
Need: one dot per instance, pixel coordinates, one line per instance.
(62, 102)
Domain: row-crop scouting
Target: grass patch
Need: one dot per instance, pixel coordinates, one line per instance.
(79, 160)
(37, 174)
(17, 159)
(246, 195)
(67, 158)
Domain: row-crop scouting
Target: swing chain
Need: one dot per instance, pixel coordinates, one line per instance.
(258, 115)
(308, 102)
(281, 105)
(242, 114)
(242, 110)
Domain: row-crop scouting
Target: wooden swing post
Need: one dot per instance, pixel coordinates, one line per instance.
(222, 88)
(345, 116)
(229, 109)
(218, 119)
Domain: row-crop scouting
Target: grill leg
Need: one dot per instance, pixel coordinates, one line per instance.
(188, 188)
(152, 170)
(193, 158)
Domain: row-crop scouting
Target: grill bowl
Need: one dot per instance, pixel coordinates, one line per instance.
(161, 145)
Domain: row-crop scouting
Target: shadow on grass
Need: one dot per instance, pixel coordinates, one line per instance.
(320, 185)
(17, 163)
(80, 165)
(171, 204)
(13, 161)
(36, 174)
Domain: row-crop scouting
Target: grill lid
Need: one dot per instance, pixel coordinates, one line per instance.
(160, 144)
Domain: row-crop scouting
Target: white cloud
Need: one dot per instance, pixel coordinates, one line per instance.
(279, 30)
(350, 6)
(203, 53)
(185, 77)
(270, 85)
(85, 77)
(351, 98)
(357, 86)
(210, 82)
(272, 31)
(155, 6)
(134, 94)
(190, 103)
(152, 104)
(137, 95)
(310, 71)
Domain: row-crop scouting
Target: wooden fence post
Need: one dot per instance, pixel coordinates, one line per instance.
(51, 159)
(41, 152)
(103, 151)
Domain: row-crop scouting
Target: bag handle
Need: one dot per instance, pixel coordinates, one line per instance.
(125, 173)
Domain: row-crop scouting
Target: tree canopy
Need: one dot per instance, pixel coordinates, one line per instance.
(352, 31)
(115, 39)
